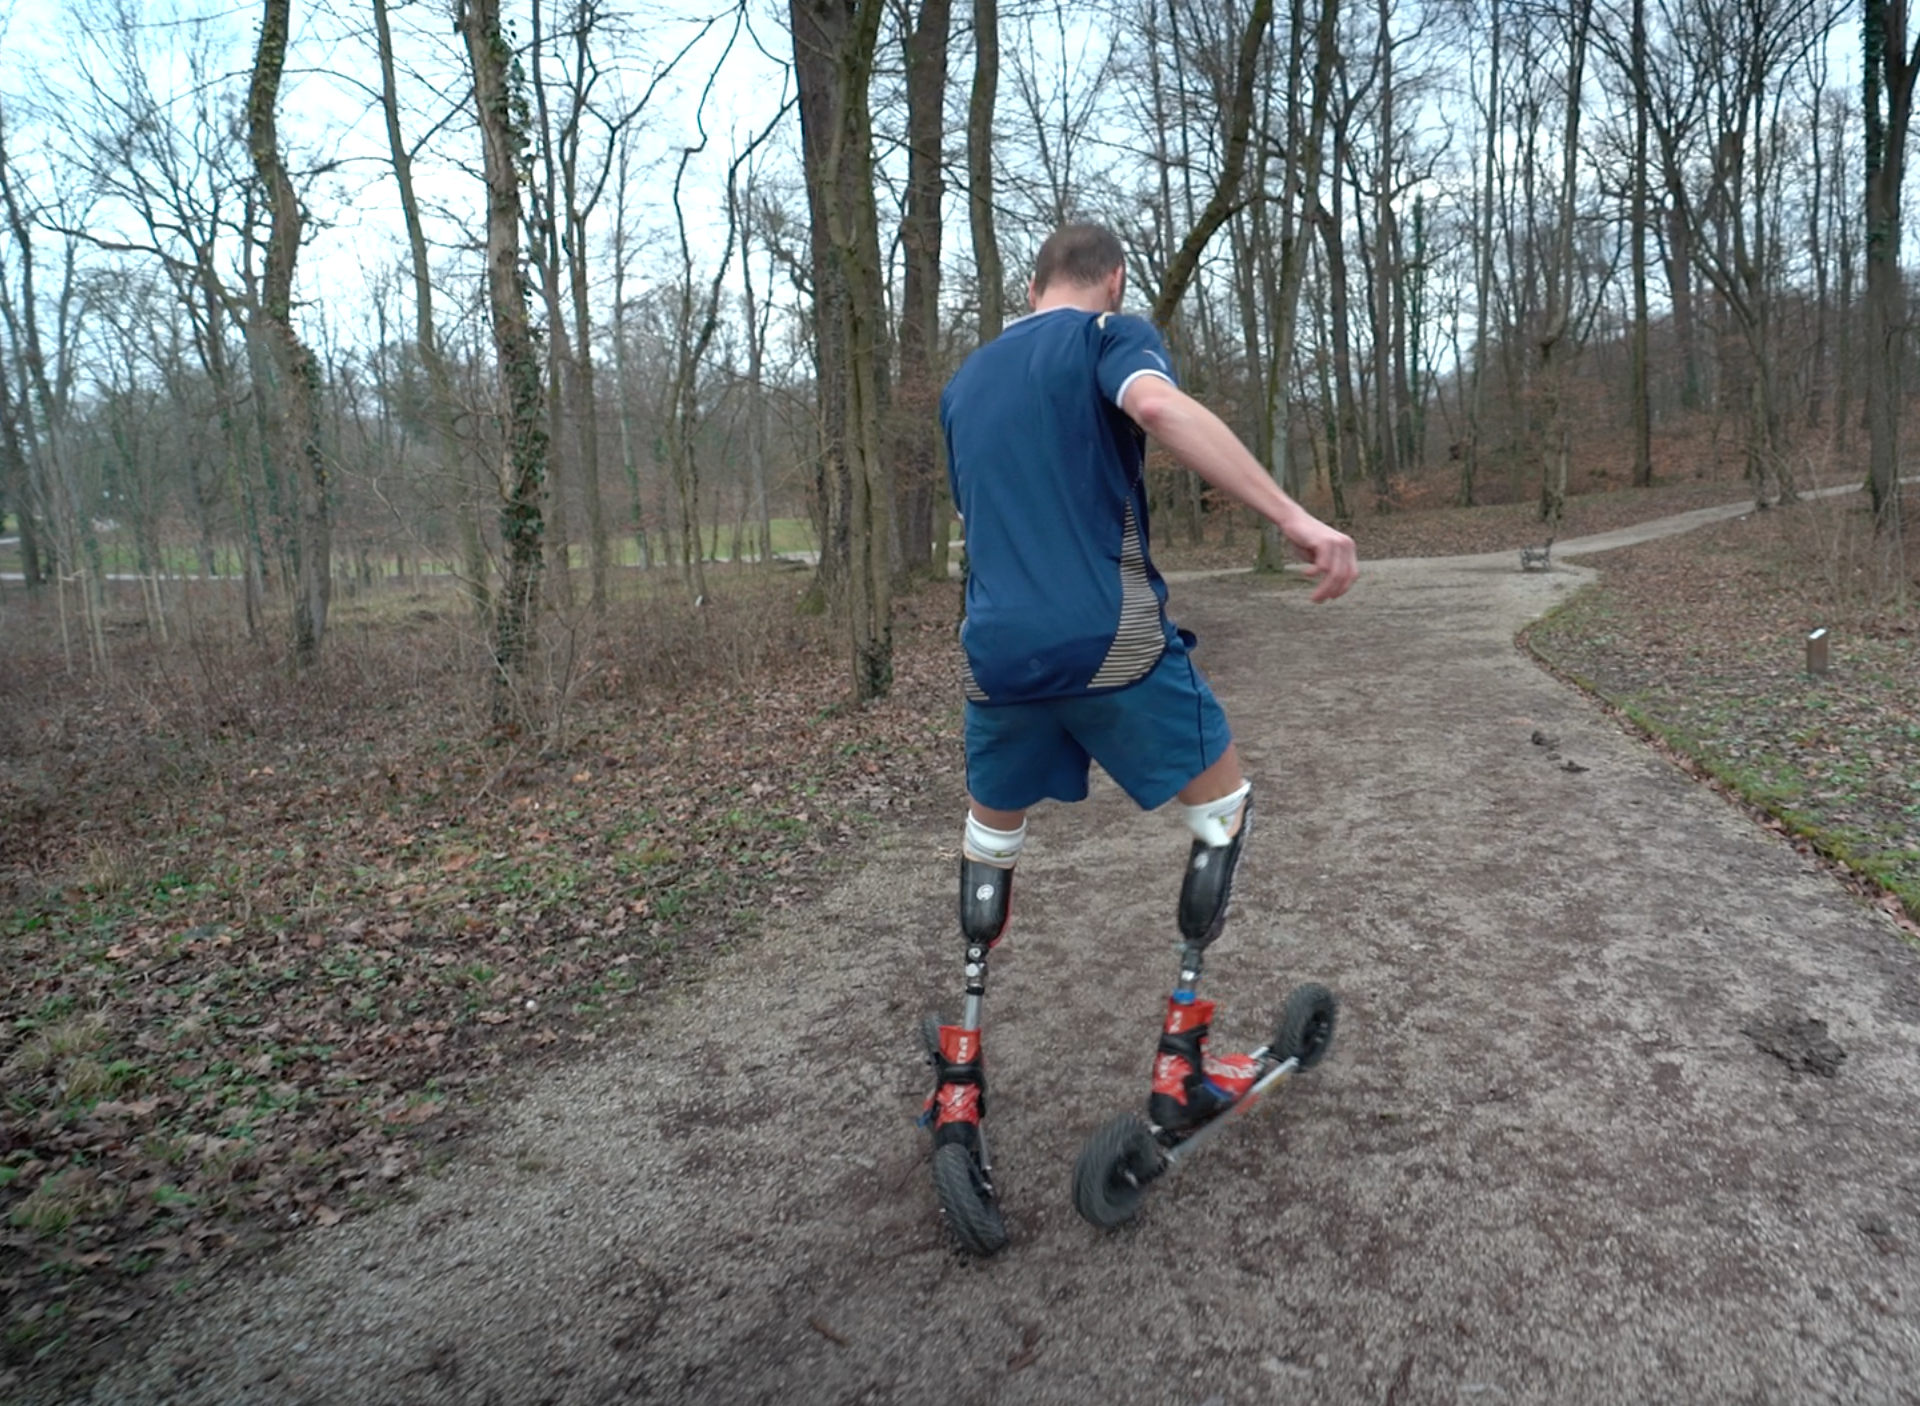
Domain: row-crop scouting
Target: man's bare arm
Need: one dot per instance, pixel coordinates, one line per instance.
(1201, 441)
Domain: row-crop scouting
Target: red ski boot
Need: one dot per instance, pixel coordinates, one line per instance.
(1190, 1086)
(959, 1097)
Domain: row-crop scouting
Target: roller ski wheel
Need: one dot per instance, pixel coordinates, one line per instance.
(967, 1201)
(1305, 1029)
(1116, 1164)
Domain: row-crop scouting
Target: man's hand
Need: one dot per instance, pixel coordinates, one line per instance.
(1329, 554)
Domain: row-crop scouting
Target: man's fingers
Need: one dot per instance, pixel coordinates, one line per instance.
(1338, 565)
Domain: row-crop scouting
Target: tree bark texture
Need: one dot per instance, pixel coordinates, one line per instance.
(503, 134)
(916, 395)
(853, 235)
(1639, 390)
(1889, 81)
(292, 401)
(988, 273)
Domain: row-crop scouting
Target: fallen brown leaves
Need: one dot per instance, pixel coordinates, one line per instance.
(270, 946)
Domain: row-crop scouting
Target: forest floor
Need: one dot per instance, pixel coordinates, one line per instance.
(606, 1060)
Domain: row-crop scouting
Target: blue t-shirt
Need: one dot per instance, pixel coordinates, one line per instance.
(1046, 471)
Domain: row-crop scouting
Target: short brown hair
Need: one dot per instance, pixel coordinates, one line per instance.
(1081, 254)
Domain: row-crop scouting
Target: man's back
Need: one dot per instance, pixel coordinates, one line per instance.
(1062, 598)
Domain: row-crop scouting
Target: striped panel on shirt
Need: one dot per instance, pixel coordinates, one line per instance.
(1140, 641)
(971, 685)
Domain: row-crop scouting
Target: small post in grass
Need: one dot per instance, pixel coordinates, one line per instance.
(1817, 653)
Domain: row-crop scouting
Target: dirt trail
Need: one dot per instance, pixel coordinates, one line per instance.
(1546, 1161)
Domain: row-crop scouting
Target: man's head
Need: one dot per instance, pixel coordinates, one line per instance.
(1079, 264)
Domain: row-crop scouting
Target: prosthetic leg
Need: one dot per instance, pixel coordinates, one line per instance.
(961, 1166)
(1190, 1086)
(1195, 1094)
(960, 1083)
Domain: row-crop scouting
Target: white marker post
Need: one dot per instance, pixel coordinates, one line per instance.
(1817, 653)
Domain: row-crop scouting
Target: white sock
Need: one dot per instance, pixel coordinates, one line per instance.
(986, 845)
(1217, 822)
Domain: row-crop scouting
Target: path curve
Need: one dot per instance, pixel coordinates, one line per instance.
(1546, 1161)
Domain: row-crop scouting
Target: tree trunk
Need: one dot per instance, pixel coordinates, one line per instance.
(819, 33)
(1889, 84)
(475, 571)
(1300, 199)
(1639, 391)
(504, 139)
(1483, 266)
(916, 401)
(573, 249)
(544, 233)
(1556, 334)
(757, 314)
(853, 231)
(1386, 274)
(988, 273)
(293, 400)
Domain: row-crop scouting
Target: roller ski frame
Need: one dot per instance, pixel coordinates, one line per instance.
(1129, 1153)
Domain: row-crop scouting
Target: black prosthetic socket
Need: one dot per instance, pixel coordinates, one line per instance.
(1207, 890)
(986, 898)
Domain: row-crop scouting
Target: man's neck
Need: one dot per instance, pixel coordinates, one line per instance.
(1092, 298)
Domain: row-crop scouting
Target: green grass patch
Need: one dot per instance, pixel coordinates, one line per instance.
(1835, 760)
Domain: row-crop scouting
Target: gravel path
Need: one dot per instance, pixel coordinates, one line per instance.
(1579, 1139)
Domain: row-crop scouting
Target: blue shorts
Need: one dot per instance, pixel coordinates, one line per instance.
(1152, 738)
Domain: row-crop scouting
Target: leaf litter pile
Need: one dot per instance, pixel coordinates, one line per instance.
(1701, 641)
(265, 948)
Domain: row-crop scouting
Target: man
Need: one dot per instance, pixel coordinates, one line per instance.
(1070, 655)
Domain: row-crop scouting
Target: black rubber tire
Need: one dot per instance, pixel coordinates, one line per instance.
(1305, 1031)
(1110, 1179)
(930, 1036)
(972, 1214)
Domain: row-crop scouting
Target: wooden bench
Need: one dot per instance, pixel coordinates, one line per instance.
(1537, 558)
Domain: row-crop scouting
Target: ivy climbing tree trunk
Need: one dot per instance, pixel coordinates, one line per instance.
(292, 399)
(503, 136)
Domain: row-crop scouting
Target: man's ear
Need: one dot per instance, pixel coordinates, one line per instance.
(1033, 295)
(1117, 287)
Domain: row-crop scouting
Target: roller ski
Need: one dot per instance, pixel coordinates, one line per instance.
(962, 1166)
(1195, 1094)
(1126, 1155)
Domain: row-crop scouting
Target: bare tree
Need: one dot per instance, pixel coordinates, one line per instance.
(989, 276)
(1238, 125)
(1890, 71)
(503, 121)
(293, 386)
(48, 383)
(441, 405)
(916, 392)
